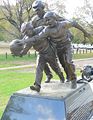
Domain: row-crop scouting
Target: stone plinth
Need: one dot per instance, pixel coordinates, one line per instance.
(56, 101)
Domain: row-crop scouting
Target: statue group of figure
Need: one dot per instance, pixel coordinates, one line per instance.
(49, 34)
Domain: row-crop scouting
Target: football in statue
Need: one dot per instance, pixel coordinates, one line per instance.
(16, 46)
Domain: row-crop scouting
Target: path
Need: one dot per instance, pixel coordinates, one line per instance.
(79, 63)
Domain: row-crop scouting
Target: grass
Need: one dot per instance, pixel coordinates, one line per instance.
(11, 81)
(15, 61)
(11, 58)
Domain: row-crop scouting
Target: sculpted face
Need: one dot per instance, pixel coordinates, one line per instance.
(38, 6)
(29, 32)
(39, 12)
(50, 21)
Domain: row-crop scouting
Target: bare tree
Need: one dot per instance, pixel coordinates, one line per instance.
(57, 5)
(85, 14)
(16, 15)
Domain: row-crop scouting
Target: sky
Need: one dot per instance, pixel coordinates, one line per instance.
(11, 1)
(71, 5)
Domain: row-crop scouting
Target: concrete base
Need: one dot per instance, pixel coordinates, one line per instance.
(56, 101)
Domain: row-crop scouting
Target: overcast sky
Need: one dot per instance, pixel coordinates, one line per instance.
(71, 5)
(11, 1)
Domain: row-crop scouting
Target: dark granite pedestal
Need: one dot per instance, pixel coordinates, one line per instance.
(56, 101)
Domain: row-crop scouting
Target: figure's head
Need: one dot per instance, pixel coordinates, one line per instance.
(50, 19)
(27, 29)
(38, 6)
(16, 47)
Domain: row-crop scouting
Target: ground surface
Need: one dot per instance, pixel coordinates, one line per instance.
(82, 62)
(78, 63)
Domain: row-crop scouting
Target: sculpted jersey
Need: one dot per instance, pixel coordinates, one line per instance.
(37, 21)
(58, 34)
(39, 45)
(42, 44)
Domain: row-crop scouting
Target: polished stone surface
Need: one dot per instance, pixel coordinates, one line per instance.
(56, 101)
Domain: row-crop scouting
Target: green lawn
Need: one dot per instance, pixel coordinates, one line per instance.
(15, 61)
(11, 81)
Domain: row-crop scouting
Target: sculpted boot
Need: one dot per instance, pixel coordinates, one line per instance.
(62, 79)
(49, 77)
(35, 88)
(67, 78)
(73, 84)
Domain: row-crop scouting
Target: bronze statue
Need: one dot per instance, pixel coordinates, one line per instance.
(47, 54)
(38, 7)
(38, 20)
(57, 31)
